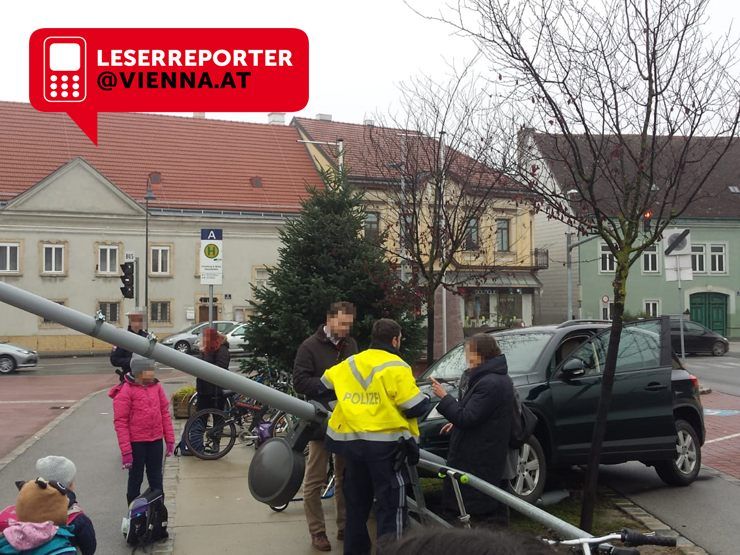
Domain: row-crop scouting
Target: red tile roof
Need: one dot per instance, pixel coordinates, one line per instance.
(371, 150)
(205, 164)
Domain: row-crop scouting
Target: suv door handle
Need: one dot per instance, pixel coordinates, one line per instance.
(655, 386)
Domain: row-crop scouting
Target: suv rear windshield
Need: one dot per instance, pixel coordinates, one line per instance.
(522, 349)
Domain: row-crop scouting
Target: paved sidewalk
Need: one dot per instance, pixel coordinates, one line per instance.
(722, 421)
(215, 509)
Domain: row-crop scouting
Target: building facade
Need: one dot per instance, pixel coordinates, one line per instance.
(71, 212)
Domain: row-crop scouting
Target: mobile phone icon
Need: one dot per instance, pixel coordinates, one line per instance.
(65, 69)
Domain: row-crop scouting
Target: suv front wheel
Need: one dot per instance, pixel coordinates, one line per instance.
(531, 472)
(684, 467)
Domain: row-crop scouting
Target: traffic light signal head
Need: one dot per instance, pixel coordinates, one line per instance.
(647, 217)
(128, 280)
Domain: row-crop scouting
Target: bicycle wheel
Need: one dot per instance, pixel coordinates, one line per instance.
(210, 434)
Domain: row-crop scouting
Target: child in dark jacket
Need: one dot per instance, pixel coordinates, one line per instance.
(141, 415)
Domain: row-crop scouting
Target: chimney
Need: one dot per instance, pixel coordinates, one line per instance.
(323, 117)
(276, 118)
(199, 115)
(369, 122)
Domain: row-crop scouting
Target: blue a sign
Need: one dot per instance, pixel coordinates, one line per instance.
(211, 234)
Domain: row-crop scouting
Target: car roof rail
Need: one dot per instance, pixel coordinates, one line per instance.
(583, 321)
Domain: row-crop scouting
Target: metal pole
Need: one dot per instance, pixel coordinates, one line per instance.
(680, 294)
(146, 264)
(148, 347)
(569, 266)
(210, 306)
(136, 282)
(441, 237)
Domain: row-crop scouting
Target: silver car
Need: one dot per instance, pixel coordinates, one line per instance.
(184, 340)
(235, 337)
(12, 357)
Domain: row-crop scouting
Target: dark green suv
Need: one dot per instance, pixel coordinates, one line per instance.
(655, 416)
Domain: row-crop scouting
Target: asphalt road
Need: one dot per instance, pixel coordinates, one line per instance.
(719, 373)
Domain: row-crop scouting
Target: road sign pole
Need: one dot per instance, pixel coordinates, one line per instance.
(210, 306)
(680, 294)
(137, 282)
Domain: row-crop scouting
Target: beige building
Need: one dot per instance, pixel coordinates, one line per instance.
(499, 264)
(71, 212)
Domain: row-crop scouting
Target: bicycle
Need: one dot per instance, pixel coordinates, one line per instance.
(630, 538)
(211, 433)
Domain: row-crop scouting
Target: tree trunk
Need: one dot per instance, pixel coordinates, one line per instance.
(430, 328)
(607, 381)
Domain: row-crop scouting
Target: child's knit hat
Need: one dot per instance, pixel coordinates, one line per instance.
(139, 363)
(58, 469)
(40, 500)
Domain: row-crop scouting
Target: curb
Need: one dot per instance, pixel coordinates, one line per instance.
(636, 512)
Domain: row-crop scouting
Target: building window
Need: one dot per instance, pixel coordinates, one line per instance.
(477, 308)
(607, 261)
(160, 260)
(407, 232)
(372, 226)
(9, 257)
(471, 235)
(261, 278)
(53, 259)
(107, 259)
(160, 311)
(698, 254)
(717, 263)
(111, 311)
(606, 311)
(650, 260)
(652, 308)
(502, 235)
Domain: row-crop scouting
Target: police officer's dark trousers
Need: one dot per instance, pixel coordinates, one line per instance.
(367, 478)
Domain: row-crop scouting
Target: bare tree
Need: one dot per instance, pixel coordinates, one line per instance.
(636, 106)
(443, 171)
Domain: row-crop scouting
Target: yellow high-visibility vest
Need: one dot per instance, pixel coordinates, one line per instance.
(373, 388)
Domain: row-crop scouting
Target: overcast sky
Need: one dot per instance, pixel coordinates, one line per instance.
(359, 50)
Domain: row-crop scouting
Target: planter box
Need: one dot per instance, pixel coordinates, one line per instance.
(180, 406)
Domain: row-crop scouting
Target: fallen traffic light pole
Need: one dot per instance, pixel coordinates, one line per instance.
(276, 471)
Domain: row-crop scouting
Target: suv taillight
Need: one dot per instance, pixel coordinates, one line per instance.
(694, 381)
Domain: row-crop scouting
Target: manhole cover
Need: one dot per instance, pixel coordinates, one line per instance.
(60, 407)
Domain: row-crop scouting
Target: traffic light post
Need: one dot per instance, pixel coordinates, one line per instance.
(127, 279)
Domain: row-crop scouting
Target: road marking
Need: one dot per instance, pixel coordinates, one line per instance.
(39, 401)
(722, 438)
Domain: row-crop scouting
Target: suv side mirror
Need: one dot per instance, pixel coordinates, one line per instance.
(574, 368)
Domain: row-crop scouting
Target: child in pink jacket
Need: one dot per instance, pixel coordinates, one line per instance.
(141, 415)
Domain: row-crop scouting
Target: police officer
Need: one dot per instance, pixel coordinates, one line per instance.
(373, 425)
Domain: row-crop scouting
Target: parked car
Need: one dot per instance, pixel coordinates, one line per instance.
(235, 338)
(13, 357)
(697, 339)
(655, 416)
(183, 340)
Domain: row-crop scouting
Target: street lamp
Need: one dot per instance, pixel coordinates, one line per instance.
(154, 178)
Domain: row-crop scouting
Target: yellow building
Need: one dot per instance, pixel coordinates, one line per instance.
(495, 266)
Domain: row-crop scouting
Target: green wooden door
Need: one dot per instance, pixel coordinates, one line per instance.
(710, 310)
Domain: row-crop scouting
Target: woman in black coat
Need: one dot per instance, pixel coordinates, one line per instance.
(216, 351)
(480, 423)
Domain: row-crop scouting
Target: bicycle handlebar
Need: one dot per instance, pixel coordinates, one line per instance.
(631, 538)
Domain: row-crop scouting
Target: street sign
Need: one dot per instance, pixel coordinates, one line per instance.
(677, 242)
(211, 256)
(605, 299)
(678, 267)
(129, 256)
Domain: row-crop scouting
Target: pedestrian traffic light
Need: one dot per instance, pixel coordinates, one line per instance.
(647, 217)
(128, 280)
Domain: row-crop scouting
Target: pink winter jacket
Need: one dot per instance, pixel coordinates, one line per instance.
(141, 413)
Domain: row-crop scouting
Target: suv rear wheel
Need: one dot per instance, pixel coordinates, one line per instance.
(685, 466)
(531, 472)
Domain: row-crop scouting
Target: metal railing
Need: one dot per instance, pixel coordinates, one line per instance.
(541, 259)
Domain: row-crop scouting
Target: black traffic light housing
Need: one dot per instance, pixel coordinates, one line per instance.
(128, 280)
(647, 217)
